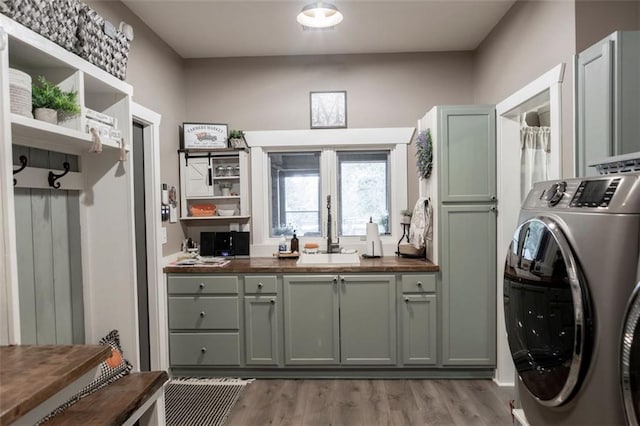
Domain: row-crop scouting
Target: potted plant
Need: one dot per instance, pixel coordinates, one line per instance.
(236, 139)
(405, 216)
(49, 100)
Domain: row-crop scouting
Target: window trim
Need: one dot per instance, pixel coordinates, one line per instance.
(328, 141)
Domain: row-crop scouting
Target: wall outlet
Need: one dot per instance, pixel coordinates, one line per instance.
(164, 235)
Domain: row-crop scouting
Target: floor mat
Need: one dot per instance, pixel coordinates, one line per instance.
(201, 401)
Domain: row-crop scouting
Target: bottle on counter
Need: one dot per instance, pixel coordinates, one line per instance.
(283, 244)
(294, 242)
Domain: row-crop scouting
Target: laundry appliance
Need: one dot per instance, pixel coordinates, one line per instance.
(571, 268)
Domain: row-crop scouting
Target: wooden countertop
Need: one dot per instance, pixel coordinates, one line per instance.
(29, 375)
(275, 265)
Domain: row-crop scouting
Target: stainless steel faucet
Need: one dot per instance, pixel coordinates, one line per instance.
(331, 246)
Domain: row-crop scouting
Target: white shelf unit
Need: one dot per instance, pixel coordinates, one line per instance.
(105, 184)
(201, 174)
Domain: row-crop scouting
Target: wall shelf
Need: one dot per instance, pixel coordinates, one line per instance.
(218, 218)
(215, 197)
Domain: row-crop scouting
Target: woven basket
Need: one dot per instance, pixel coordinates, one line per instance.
(20, 92)
(109, 52)
(56, 20)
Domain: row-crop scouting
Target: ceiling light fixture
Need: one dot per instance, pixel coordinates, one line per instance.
(319, 15)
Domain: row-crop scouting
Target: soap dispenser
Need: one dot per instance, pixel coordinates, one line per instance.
(294, 242)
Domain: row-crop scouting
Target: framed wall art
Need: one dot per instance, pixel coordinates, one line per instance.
(204, 135)
(328, 109)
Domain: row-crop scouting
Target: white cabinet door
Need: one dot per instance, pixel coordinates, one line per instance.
(197, 178)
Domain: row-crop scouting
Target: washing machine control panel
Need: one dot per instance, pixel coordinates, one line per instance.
(554, 194)
(595, 193)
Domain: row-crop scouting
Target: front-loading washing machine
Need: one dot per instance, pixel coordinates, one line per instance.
(571, 267)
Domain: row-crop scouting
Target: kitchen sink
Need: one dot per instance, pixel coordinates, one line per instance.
(329, 259)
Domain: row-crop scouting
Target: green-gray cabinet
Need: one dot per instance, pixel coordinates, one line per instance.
(204, 320)
(467, 153)
(607, 101)
(468, 265)
(419, 319)
(340, 319)
(312, 329)
(367, 319)
(262, 320)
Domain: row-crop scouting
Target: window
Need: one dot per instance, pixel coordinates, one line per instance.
(363, 187)
(295, 193)
(293, 171)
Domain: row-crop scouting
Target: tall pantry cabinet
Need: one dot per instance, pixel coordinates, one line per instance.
(607, 100)
(462, 190)
(102, 192)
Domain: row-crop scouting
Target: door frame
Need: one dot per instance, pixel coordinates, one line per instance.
(157, 299)
(550, 81)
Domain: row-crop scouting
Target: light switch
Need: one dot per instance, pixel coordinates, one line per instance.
(164, 235)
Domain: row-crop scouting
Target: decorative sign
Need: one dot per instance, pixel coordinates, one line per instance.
(328, 110)
(204, 135)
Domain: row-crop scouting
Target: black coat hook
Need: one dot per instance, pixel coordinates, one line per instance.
(23, 161)
(54, 177)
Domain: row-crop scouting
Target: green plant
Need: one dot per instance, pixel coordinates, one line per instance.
(47, 95)
(236, 134)
(424, 153)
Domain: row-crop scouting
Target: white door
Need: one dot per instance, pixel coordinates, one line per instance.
(198, 181)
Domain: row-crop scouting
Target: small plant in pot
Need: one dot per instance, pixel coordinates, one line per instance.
(49, 100)
(236, 139)
(225, 188)
(405, 216)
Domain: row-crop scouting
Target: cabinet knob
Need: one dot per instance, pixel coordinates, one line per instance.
(493, 198)
(342, 280)
(419, 283)
(203, 314)
(260, 285)
(335, 280)
(272, 301)
(201, 286)
(203, 349)
(406, 300)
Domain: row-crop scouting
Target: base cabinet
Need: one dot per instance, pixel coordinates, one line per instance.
(261, 329)
(311, 320)
(419, 332)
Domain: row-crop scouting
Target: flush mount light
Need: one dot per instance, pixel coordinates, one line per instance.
(319, 15)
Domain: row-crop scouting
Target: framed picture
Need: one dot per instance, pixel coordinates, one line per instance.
(204, 135)
(328, 109)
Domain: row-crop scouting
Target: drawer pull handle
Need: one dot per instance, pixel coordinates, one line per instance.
(335, 280)
(201, 286)
(406, 300)
(203, 314)
(203, 349)
(419, 283)
(272, 301)
(260, 285)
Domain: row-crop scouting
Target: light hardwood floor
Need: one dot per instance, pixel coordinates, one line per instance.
(372, 402)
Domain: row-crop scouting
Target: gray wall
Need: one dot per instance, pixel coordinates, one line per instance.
(156, 73)
(272, 93)
(532, 38)
(597, 19)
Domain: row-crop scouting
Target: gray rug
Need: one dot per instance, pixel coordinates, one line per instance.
(201, 401)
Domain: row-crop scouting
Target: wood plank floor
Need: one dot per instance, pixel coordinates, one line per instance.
(372, 402)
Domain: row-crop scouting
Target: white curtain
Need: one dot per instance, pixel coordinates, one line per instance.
(534, 157)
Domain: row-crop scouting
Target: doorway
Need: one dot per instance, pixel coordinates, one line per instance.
(541, 95)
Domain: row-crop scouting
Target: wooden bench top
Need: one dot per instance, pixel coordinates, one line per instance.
(114, 403)
(30, 374)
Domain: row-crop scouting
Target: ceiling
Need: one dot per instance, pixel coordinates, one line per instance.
(218, 28)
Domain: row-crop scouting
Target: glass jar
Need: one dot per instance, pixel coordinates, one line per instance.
(220, 171)
(229, 171)
(236, 171)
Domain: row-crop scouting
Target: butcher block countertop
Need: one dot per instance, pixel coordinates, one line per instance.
(275, 265)
(29, 375)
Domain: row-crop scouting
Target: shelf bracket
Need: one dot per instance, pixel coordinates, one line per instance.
(54, 177)
(23, 162)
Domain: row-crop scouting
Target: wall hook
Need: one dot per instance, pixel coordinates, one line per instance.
(54, 177)
(23, 162)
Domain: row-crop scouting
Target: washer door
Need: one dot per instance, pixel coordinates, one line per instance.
(546, 311)
(630, 359)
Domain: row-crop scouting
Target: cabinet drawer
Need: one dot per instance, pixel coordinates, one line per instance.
(201, 313)
(191, 349)
(260, 284)
(202, 284)
(419, 283)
